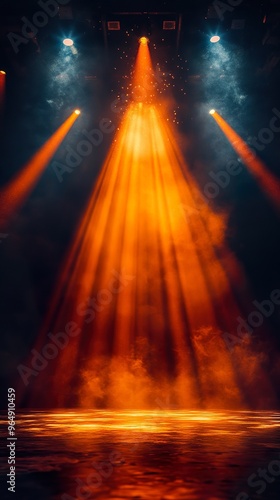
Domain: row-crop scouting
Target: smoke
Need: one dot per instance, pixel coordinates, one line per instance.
(222, 68)
(133, 382)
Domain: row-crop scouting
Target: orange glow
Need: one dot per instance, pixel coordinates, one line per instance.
(2, 72)
(133, 424)
(143, 81)
(15, 193)
(266, 180)
(146, 283)
(77, 112)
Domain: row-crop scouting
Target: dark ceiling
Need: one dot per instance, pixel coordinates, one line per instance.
(247, 22)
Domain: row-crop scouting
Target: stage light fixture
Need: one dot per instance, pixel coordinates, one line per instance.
(169, 25)
(114, 25)
(215, 39)
(2, 72)
(68, 42)
(144, 40)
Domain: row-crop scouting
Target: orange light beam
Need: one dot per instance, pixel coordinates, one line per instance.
(143, 80)
(16, 192)
(142, 284)
(267, 181)
(80, 272)
(135, 224)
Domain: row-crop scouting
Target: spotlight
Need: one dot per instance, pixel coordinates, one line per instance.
(2, 72)
(212, 111)
(114, 25)
(68, 42)
(143, 40)
(77, 112)
(215, 39)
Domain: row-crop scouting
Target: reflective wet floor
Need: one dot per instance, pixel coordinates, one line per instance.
(158, 455)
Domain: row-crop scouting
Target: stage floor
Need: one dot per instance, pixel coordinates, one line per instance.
(158, 455)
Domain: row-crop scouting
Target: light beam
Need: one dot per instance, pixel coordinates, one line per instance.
(143, 40)
(16, 192)
(148, 285)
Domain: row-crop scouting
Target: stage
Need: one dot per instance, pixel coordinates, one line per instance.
(160, 455)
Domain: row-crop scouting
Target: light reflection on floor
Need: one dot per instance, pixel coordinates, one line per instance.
(160, 455)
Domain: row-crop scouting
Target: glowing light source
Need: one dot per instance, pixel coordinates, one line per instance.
(212, 111)
(2, 92)
(144, 40)
(77, 112)
(68, 42)
(215, 39)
